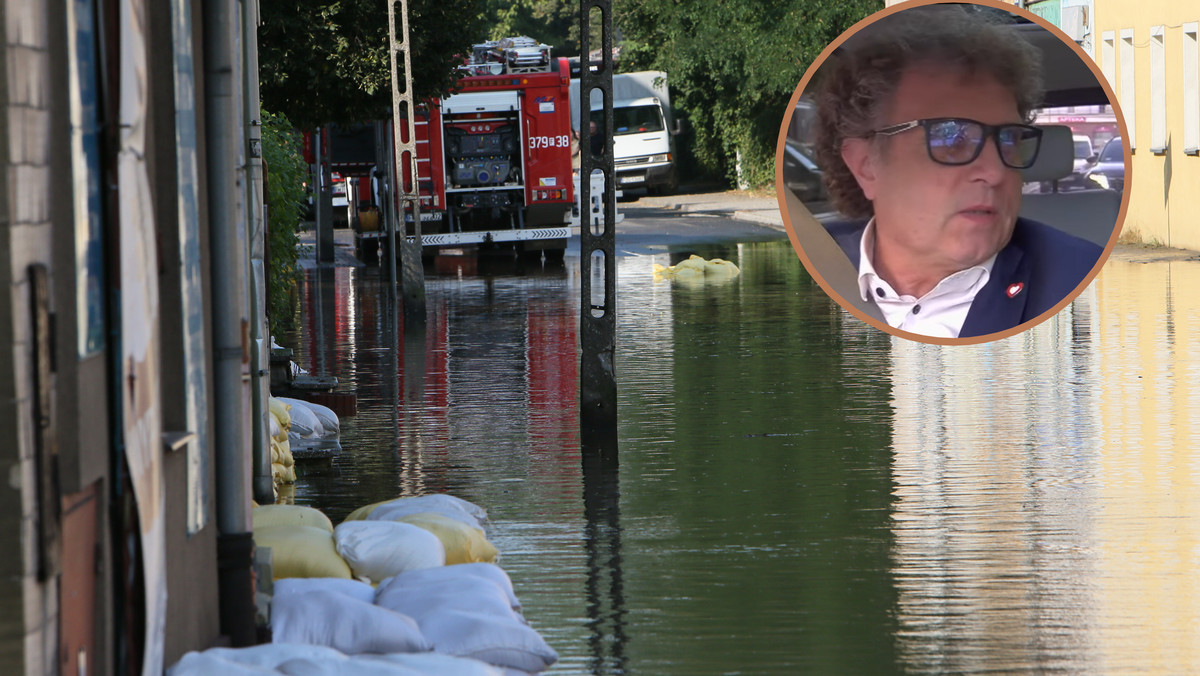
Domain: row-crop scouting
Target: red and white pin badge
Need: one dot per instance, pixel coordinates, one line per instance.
(1015, 288)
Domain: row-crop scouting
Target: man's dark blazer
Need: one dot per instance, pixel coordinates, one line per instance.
(1039, 267)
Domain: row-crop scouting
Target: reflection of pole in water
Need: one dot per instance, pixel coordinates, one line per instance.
(326, 315)
(602, 539)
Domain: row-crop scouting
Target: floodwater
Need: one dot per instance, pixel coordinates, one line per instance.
(797, 492)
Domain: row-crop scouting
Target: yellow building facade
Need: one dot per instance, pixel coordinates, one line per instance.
(1148, 51)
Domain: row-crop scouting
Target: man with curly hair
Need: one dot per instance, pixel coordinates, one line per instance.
(923, 129)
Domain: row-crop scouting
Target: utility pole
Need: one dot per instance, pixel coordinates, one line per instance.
(405, 151)
(598, 283)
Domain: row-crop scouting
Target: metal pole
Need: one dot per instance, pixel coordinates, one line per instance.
(262, 483)
(597, 251)
(403, 108)
(227, 252)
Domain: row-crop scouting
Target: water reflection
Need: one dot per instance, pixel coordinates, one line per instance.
(1046, 506)
(796, 492)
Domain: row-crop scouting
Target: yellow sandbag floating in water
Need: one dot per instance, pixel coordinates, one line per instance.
(696, 268)
(463, 543)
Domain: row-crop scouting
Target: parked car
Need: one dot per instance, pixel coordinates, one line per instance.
(1109, 170)
(801, 174)
(1083, 152)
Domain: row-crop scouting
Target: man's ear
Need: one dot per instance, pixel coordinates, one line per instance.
(858, 156)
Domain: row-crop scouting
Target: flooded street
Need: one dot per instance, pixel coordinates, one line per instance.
(798, 493)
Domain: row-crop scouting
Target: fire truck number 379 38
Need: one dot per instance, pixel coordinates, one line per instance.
(560, 141)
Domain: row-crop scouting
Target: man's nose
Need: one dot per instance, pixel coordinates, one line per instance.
(988, 166)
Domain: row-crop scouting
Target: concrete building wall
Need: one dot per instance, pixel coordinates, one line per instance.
(25, 239)
(1163, 198)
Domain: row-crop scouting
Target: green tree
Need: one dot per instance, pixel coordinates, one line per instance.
(286, 171)
(733, 67)
(326, 61)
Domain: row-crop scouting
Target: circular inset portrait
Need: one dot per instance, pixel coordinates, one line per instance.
(953, 173)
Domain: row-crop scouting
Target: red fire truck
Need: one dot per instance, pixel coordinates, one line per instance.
(494, 159)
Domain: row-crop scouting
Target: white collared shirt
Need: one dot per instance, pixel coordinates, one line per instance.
(939, 313)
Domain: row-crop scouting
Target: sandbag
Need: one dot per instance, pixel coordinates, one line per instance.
(434, 664)
(322, 617)
(428, 599)
(304, 422)
(502, 642)
(205, 664)
(438, 503)
(303, 585)
(363, 512)
(347, 666)
(290, 515)
(325, 415)
(463, 543)
(377, 550)
(455, 574)
(301, 551)
(281, 412)
(269, 655)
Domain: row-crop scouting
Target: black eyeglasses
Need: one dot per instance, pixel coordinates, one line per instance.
(956, 141)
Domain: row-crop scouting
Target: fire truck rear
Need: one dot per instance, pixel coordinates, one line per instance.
(494, 160)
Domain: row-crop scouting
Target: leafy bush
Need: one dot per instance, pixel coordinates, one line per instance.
(282, 149)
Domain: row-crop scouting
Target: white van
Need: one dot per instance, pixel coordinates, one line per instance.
(643, 129)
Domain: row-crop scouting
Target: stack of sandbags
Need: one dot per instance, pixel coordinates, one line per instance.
(283, 466)
(697, 269)
(326, 622)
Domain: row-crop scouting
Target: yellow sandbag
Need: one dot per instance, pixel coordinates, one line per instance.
(696, 268)
(463, 543)
(301, 551)
(290, 515)
(363, 512)
(282, 414)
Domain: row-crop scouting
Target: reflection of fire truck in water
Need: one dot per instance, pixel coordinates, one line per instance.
(494, 160)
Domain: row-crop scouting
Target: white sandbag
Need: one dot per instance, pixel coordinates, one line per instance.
(205, 664)
(325, 415)
(346, 666)
(438, 503)
(303, 585)
(377, 550)
(423, 600)
(304, 422)
(275, 429)
(503, 642)
(487, 571)
(321, 617)
(269, 655)
(434, 664)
